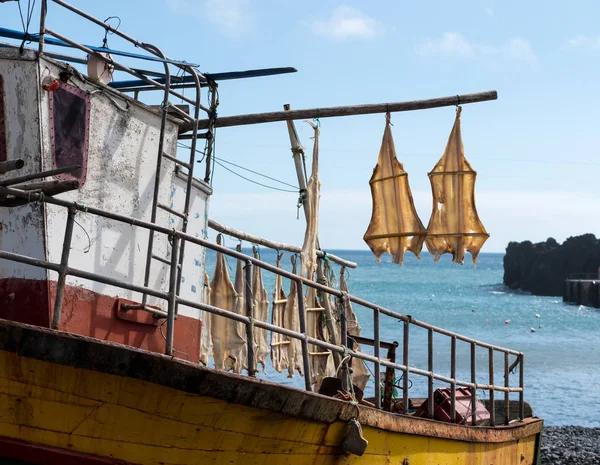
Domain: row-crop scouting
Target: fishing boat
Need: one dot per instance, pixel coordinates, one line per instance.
(103, 244)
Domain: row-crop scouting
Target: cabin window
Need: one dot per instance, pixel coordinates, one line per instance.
(69, 126)
(3, 149)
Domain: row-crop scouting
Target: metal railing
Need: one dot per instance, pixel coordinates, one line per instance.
(585, 276)
(173, 299)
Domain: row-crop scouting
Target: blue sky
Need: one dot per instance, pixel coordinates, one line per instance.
(535, 148)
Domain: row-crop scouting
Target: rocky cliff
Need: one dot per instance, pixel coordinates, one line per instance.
(541, 268)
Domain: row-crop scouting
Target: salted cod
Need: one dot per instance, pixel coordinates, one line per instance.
(228, 341)
(240, 308)
(279, 342)
(260, 312)
(321, 361)
(206, 347)
(454, 226)
(395, 226)
(360, 374)
(291, 321)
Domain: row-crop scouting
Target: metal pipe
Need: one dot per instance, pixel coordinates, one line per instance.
(405, 363)
(506, 393)
(43, 13)
(453, 382)
(474, 388)
(64, 267)
(250, 315)
(42, 174)
(238, 255)
(344, 342)
(172, 302)
(298, 156)
(302, 321)
(328, 112)
(119, 66)
(522, 386)
(376, 350)
(11, 165)
(274, 245)
(430, 368)
(491, 382)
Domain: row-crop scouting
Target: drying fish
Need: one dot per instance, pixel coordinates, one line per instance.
(360, 375)
(321, 360)
(454, 226)
(279, 342)
(291, 321)
(240, 308)
(206, 340)
(395, 226)
(228, 341)
(260, 312)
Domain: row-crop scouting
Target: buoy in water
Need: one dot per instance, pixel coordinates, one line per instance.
(506, 322)
(486, 320)
(537, 315)
(533, 330)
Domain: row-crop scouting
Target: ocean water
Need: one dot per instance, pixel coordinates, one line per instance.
(562, 356)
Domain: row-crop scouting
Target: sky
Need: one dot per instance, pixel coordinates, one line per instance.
(534, 149)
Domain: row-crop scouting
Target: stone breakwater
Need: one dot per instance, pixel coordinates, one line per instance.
(572, 445)
(542, 268)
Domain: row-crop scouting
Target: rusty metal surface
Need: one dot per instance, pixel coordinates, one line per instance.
(86, 353)
(3, 150)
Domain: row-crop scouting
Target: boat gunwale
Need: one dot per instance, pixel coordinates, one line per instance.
(111, 358)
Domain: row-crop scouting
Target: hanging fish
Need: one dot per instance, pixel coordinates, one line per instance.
(206, 347)
(260, 312)
(395, 226)
(228, 341)
(279, 342)
(240, 308)
(360, 375)
(454, 226)
(291, 321)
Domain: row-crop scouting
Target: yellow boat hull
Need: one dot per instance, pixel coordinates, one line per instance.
(55, 392)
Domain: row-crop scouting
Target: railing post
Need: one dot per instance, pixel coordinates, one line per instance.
(388, 391)
(474, 381)
(430, 369)
(64, 268)
(302, 321)
(405, 363)
(43, 12)
(172, 302)
(376, 349)
(249, 314)
(492, 407)
(506, 393)
(453, 376)
(522, 386)
(344, 342)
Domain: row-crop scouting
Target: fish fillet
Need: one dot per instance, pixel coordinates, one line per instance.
(279, 342)
(321, 360)
(226, 338)
(240, 308)
(360, 374)
(260, 312)
(206, 340)
(291, 321)
(395, 226)
(454, 226)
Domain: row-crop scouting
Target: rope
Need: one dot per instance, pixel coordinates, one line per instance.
(26, 23)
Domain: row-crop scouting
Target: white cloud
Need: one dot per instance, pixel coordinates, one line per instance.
(454, 44)
(347, 22)
(231, 17)
(582, 41)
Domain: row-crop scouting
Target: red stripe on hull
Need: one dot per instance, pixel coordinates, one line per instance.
(44, 455)
(95, 315)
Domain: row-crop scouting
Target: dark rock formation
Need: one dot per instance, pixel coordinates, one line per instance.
(542, 268)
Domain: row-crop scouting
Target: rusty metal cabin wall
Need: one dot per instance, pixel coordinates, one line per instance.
(121, 165)
(21, 228)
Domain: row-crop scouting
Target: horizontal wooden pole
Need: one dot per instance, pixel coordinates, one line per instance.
(273, 245)
(330, 112)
